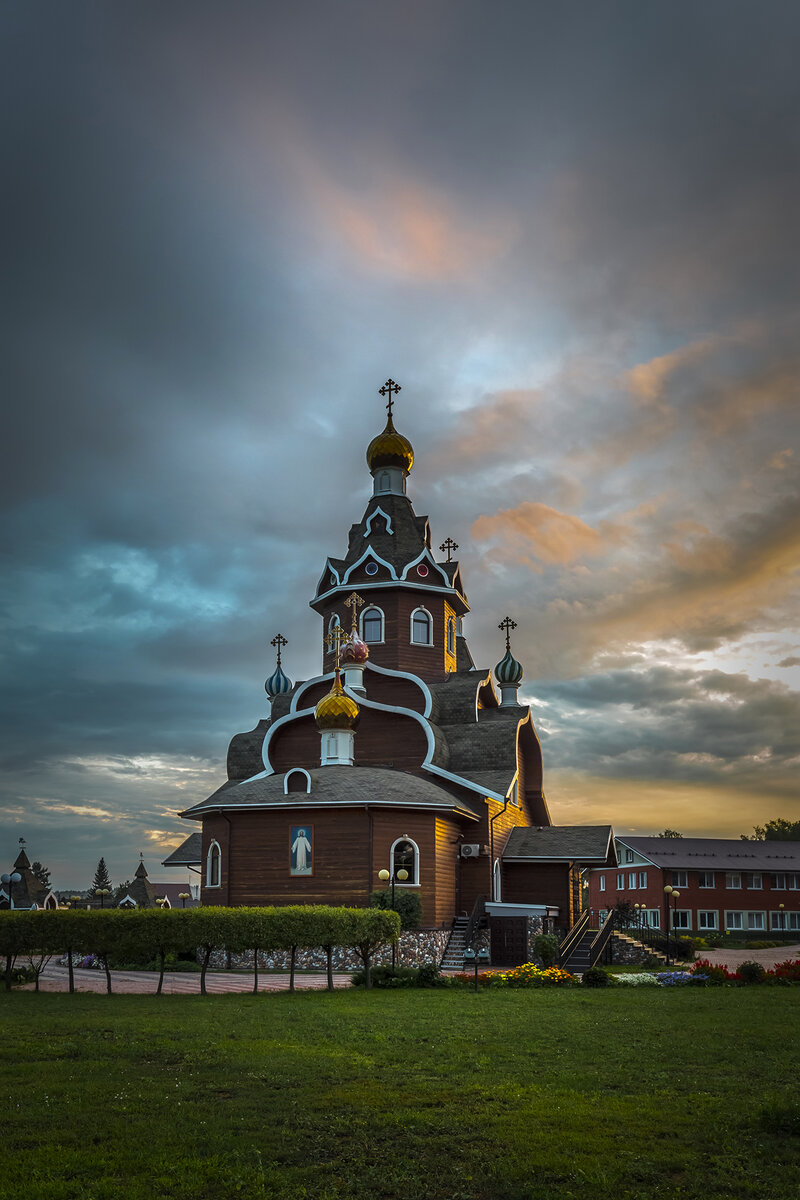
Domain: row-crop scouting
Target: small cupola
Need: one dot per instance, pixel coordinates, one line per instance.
(279, 682)
(354, 651)
(336, 716)
(390, 456)
(508, 671)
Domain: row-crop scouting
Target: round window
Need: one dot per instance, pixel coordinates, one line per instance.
(422, 570)
(371, 568)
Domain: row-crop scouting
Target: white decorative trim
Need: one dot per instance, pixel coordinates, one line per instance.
(363, 585)
(369, 553)
(421, 609)
(377, 512)
(330, 569)
(421, 684)
(415, 882)
(127, 901)
(424, 806)
(209, 859)
(296, 771)
(426, 555)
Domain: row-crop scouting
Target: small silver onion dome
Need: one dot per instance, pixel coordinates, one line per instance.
(278, 684)
(508, 670)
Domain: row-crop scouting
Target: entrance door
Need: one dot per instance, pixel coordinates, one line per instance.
(509, 941)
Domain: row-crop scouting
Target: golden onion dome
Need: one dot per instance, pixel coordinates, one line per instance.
(390, 449)
(336, 710)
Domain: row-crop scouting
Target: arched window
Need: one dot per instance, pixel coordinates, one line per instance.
(405, 857)
(214, 866)
(296, 780)
(334, 621)
(451, 636)
(497, 889)
(421, 627)
(372, 625)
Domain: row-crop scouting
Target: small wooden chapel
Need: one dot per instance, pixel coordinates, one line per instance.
(401, 756)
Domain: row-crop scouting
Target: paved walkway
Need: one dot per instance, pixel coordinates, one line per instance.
(734, 958)
(180, 983)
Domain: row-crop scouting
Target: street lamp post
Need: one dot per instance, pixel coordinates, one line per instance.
(670, 894)
(102, 893)
(9, 880)
(385, 876)
(780, 909)
(183, 897)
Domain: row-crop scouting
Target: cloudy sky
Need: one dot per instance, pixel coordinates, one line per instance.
(570, 231)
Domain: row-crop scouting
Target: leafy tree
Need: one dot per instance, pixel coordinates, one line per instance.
(778, 830)
(669, 833)
(407, 904)
(102, 879)
(42, 873)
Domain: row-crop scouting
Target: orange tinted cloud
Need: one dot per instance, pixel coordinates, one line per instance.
(536, 531)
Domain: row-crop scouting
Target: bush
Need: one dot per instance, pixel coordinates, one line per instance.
(407, 905)
(545, 947)
(715, 976)
(597, 977)
(751, 972)
(787, 972)
(430, 975)
(387, 977)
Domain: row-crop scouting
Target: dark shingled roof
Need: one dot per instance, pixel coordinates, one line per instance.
(581, 843)
(720, 854)
(189, 853)
(336, 786)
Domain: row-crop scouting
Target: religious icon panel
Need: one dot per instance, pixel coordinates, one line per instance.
(301, 840)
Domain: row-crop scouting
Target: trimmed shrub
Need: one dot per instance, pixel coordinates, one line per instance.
(407, 905)
(597, 977)
(387, 977)
(751, 972)
(545, 947)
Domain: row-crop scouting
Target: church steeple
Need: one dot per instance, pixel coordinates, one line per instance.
(390, 456)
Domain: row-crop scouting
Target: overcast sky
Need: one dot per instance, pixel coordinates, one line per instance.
(570, 231)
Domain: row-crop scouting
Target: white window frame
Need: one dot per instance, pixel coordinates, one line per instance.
(643, 879)
(759, 915)
(333, 622)
(620, 881)
(373, 608)
(628, 856)
(602, 879)
(793, 882)
(652, 917)
(681, 919)
(497, 882)
(704, 925)
(421, 609)
(414, 881)
(451, 635)
(296, 771)
(731, 925)
(680, 879)
(705, 875)
(631, 879)
(755, 881)
(733, 881)
(214, 845)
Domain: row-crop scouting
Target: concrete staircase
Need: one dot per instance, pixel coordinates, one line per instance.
(579, 961)
(453, 956)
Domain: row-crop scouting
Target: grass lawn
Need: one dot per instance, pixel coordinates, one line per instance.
(509, 1095)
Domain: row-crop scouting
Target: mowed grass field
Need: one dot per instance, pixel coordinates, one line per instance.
(435, 1095)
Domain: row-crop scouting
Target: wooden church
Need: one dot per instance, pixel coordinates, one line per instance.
(401, 756)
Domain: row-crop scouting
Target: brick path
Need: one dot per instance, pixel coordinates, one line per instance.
(734, 958)
(179, 983)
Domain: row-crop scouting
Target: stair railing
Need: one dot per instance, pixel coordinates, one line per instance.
(476, 917)
(601, 939)
(573, 936)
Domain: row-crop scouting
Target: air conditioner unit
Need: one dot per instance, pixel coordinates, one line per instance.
(470, 851)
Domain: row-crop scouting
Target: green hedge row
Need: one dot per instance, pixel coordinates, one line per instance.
(154, 933)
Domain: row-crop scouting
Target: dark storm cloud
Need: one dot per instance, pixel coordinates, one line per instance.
(225, 225)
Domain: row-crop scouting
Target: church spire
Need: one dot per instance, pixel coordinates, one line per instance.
(390, 456)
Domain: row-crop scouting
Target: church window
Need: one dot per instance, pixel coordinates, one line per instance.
(497, 882)
(405, 857)
(372, 625)
(296, 780)
(334, 621)
(214, 866)
(451, 636)
(383, 482)
(421, 627)
(371, 568)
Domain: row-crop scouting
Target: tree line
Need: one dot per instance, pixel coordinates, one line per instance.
(155, 933)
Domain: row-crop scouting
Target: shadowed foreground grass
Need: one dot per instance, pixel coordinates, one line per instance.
(428, 1095)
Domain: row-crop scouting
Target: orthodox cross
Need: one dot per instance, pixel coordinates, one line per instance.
(334, 642)
(354, 602)
(278, 641)
(448, 546)
(387, 389)
(507, 624)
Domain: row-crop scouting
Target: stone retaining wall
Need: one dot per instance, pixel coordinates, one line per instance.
(413, 949)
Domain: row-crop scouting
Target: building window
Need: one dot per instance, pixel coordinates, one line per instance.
(755, 920)
(754, 882)
(651, 918)
(733, 920)
(631, 879)
(779, 883)
(643, 879)
(706, 879)
(707, 919)
(602, 883)
(620, 881)
(628, 856)
(680, 879)
(451, 636)
(421, 627)
(372, 625)
(334, 621)
(405, 857)
(793, 882)
(733, 879)
(383, 482)
(682, 918)
(214, 866)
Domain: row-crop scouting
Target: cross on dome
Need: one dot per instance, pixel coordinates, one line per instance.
(278, 641)
(447, 547)
(354, 602)
(507, 624)
(387, 389)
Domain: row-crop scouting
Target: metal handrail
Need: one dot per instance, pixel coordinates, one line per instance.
(477, 914)
(573, 936)
(600, 942)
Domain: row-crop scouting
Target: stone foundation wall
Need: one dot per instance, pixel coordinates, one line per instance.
(535, 927)
(627, 952)
(413, 949)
